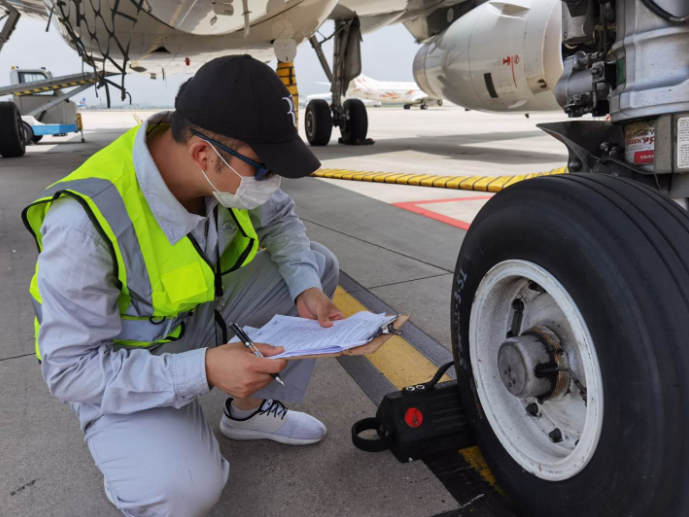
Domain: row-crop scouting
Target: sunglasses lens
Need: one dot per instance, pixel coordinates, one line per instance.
(264, 174)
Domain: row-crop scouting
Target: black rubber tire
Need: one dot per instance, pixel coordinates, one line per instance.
(424, 107)
(37, 138)
(622, 252)
(356, 121)
(318, 122)
(12, 143)
(439, 102)
(407, 106)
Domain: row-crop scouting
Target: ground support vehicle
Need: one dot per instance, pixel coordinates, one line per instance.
(39, 107)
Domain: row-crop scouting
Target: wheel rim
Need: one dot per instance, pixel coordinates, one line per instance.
(528, 432)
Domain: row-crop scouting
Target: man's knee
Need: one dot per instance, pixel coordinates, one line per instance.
(330, 273)
(183, 492)
(191, 494)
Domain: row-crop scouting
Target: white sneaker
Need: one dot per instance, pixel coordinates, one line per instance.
(273, 421)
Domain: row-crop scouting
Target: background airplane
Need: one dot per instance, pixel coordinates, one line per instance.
(328, 97)
(377, 93)
(390, 92)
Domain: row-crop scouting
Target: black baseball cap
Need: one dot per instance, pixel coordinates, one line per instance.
(243, 98)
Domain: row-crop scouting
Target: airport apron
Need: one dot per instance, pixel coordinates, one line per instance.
(160, 283)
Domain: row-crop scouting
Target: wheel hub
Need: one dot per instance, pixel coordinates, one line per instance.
(531, 365)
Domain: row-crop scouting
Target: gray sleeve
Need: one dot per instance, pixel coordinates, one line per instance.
(80, 319)
(284, 236)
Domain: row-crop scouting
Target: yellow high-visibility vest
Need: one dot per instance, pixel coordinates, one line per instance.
(160, 283)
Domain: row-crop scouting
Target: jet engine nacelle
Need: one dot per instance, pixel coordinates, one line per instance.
(504, 55)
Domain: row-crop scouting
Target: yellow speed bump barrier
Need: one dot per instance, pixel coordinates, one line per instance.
(478, 183)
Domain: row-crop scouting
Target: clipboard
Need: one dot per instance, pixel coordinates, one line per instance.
(393, 328)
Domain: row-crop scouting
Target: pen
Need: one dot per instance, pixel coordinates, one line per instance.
(250, 345)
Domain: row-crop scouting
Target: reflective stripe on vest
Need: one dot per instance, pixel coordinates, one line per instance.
(111, 206)
(144, 330)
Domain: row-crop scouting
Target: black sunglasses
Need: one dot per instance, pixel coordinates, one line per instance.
(262, 171)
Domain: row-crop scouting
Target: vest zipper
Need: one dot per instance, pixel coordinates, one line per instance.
(216, 270)
(247, 250)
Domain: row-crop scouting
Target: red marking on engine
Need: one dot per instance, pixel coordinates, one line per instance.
(511, 61)
(644, 157)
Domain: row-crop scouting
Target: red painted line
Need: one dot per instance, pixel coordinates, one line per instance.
(433, 215)
(412, 206)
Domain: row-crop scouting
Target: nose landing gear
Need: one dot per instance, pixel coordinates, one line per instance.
(350, 116)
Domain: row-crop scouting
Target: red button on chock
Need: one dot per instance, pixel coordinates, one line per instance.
(413, 417)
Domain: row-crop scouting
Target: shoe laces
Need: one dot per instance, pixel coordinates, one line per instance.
(275, 407)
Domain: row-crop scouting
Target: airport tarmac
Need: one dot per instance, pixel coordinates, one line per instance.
(393, 256)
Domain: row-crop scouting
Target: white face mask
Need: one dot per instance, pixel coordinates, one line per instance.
(250, 193)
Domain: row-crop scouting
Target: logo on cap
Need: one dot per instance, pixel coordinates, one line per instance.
(291, 111)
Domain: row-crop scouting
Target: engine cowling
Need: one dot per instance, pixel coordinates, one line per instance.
(504, 55)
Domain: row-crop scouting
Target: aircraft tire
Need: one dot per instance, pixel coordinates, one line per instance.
(407, 106)
(12, 143)
(439, 102)
(603, 262)
(318, 122)
(356, 124)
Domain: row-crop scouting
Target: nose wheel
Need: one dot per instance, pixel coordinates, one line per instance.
(569, 316)
(318, 122)
(355, 123)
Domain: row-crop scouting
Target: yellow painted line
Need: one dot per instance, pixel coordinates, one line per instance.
(477, 183)
(397, 359)
(475, 459)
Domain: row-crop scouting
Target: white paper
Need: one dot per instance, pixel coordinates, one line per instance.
(300, 336)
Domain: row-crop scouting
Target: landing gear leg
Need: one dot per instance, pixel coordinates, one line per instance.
(10, 23)
(349, 116)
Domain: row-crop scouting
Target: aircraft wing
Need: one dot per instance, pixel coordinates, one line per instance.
(34, 8)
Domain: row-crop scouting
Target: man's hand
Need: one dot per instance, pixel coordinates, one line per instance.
(235, 370)
(313, 304)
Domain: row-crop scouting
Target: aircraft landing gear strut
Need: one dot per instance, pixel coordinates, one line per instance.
(350, 116)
